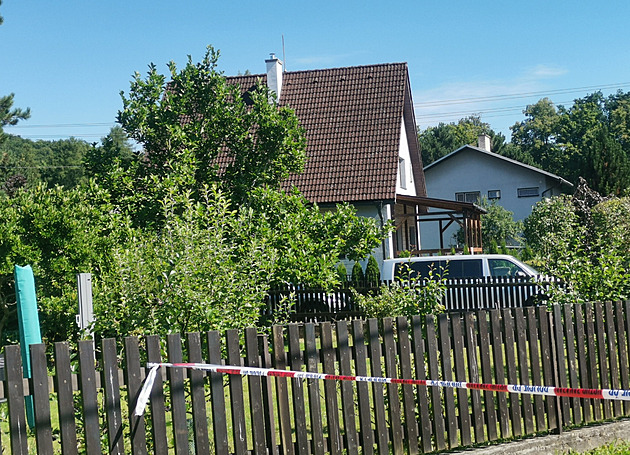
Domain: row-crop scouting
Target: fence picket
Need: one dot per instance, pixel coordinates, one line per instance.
(347, 389)
(366, 439)
(282, 391)
(592, 357)
(113, 414)
(297, 390)
(15, 400)
(393, 398)
(486, 373)
(217, 396)
(134, 383)
(376, 369)
(611, 354)
(239, 429)
(313, 385)
(580, 345)
(434, 373)
(569, 336)
(623, 352)
(65, 399)
(602, 347)
(473, 375)
(512, 376)
(547, 367)
(41, 399)
(198, 394)
(335, 445)
(158, 411)
(521, 349)
(447, 375)
(404, 349)
(499, 372)
(460, 375)
(535, 367)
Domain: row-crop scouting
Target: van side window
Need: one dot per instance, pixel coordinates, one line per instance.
(418, 269)
(465, 268)
(503, 267)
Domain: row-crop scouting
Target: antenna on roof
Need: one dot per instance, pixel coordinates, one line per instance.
(284, 57)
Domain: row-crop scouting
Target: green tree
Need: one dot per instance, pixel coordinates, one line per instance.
(439, 141)
(497, 227)
(206, 270)
(537, 136)
(200, 130)
(10, 115)
(358, 277)
(372, 273)
(59, 233)
(582, 239)
(589, 139)
(115, 151)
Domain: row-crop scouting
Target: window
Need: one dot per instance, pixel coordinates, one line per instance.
(528, 192)
(471, 196)
(503, 267)
(494, 194)
(402, 173)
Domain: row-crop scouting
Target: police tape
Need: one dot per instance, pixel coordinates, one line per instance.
(602, 394)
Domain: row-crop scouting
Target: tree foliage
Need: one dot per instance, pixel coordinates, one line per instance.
(206, 131)
(588, 139)
(439, 141)
(582, 239)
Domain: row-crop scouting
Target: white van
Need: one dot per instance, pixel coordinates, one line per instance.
(458, 266)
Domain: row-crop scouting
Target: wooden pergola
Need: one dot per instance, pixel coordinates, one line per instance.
(416, 208)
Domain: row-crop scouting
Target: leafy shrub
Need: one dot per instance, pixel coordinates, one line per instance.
(358, 278)
(372, 273)
(343, 273)
(407, 296)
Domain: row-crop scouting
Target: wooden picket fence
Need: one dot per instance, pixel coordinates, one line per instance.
(82, 397)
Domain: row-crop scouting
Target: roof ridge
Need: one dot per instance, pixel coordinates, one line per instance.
(321, 70)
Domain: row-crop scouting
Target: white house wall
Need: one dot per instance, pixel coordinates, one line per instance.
(471, 171)
(409, 187)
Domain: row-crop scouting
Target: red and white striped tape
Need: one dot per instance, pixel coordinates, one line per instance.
(602, 394)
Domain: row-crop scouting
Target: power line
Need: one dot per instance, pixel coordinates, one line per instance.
(518, 95)
(60, 125)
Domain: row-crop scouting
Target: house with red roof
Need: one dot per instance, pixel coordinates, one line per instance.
(362, 146)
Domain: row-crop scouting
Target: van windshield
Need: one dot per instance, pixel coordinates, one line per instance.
(505, 267)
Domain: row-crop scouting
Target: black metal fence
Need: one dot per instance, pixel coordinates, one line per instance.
(307, 304)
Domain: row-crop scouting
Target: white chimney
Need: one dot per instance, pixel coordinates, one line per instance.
(485, 143)
(274, 75)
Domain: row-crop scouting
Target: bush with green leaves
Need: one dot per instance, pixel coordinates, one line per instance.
(582, 239)
(342, 273)
(203, 271)
(372, 272)
(358, 277)
(407, 296)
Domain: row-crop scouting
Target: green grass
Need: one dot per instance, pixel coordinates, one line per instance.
(615, 448)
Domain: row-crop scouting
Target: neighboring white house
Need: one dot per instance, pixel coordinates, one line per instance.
(362, 146)
(471, 173)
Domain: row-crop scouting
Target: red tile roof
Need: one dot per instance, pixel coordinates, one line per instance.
(352, 118)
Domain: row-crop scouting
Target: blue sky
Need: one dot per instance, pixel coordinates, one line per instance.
(68, 60)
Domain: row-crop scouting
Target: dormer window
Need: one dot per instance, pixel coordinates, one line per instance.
(402, 173)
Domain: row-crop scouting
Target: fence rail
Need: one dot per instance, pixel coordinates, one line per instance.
(82, 397)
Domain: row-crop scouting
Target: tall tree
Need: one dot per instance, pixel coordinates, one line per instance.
(537, 135)
(202, 130)
(439, 141)
(590, 139)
